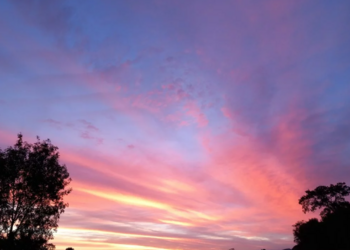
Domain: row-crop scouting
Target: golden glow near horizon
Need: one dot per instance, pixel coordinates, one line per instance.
(104, 232)
(109, 245)
(138, 201)
(177, 223)
(127, 199)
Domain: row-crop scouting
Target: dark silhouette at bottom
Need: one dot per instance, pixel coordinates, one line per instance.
(332, 231)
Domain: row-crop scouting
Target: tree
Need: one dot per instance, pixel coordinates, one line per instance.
(32, 187)
(307, 234)
(69, 248)
(330, 198)
(332, 231)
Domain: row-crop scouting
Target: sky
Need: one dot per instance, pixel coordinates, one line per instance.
(184, 125)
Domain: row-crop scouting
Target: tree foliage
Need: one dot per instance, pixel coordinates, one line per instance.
(329, 198)
(332, 231)
(32, 187)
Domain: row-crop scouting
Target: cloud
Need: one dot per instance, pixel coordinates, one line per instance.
(88, 125)
(88, 136)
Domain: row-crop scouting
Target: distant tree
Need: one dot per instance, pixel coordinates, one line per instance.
(332, 232)
(69, 248)
(32, 187)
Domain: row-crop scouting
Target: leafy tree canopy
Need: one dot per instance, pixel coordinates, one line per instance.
(329, 198)
(32, 187)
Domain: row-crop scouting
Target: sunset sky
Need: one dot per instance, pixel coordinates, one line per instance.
(185, 125)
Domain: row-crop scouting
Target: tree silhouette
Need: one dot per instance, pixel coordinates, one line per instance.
(332, 232)
(329, 198)
(70, 248)
(32, 187)
(308, 233)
